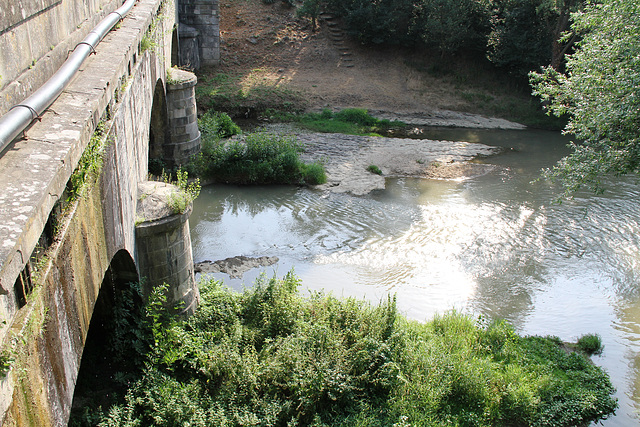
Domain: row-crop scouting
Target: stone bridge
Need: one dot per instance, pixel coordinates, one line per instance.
(61, 240)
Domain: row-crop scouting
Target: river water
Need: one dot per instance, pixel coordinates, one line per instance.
(495, 246)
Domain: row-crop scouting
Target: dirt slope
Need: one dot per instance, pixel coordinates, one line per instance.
(268, 44)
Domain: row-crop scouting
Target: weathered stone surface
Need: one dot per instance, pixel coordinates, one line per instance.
(183, 119)
(204, 17)
(163, 245)
(36, 37)
(235, 267)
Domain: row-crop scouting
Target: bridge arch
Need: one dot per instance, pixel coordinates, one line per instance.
(159, 135)
(115, 305)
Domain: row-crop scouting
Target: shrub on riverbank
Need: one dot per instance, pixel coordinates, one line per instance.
(256, 158)
(267, 356)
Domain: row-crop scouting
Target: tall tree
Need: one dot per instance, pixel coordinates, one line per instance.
(600, 93)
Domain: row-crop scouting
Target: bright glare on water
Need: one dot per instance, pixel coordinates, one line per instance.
(495, 246)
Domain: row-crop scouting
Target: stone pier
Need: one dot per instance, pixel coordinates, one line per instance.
(183, 118)
(163, 246)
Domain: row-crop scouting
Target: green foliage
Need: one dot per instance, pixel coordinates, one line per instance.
(257, 158)
(313, 173)
(6, 361)
(89, 165)
(514, 34)
(115, 353)
(310, 9)
(374, 169)
(147, 43)
(267, 356)
(590, 344)
(520, 39)
(187, 192)
(214, 124)
(452, 25)
(600, 95)
(385, 21)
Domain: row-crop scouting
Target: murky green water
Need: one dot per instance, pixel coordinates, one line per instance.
(494, 245)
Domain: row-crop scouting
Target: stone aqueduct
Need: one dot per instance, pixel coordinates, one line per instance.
(56, 255)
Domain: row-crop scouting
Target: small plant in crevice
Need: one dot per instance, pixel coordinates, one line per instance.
(6, 361)
(89, 166)
(374, 169)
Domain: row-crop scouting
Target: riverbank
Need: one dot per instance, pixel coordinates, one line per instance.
(272, 59)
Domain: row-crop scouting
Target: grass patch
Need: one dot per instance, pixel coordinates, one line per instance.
(351, 121)
(268, 356)
(246, 95)
(255, 158)
(187, 191)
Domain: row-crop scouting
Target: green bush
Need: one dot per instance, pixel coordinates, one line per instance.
(451, 25)
(267, 356)
(257, 158)
(590, 344)
(313, 173)
(214, 124)
(356, 115)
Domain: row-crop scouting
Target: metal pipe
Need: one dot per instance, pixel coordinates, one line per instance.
(22, 115)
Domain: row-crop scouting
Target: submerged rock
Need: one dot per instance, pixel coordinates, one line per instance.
(235, 267)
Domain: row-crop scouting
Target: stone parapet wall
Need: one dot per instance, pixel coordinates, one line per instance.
(35, 40)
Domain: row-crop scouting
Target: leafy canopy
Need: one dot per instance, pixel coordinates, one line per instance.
(600, 93)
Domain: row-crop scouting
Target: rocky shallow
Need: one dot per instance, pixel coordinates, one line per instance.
(347, 157)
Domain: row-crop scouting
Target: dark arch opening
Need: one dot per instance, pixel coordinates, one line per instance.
(175, 46)
(159, 137)
(97, 383)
